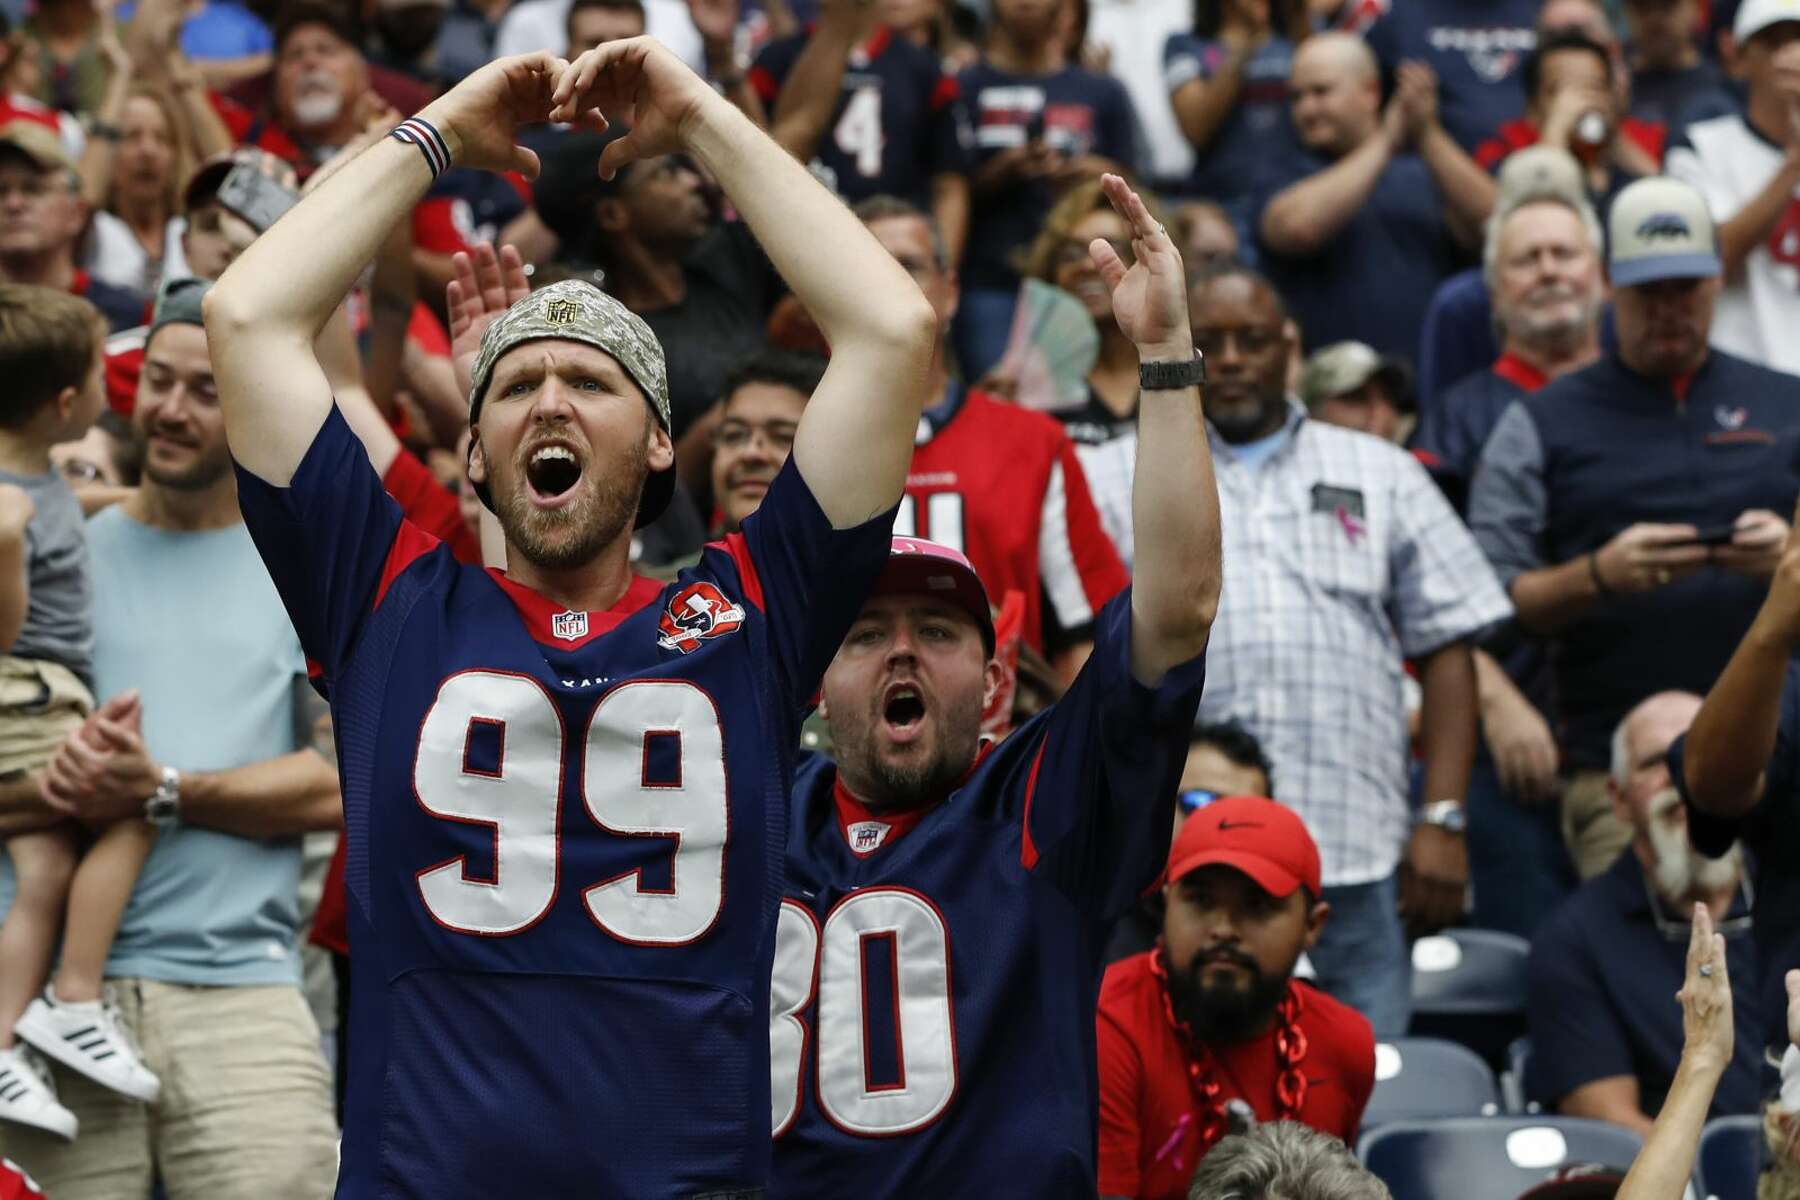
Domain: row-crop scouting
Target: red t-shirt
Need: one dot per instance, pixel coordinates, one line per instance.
(1002, 484)
(1149, 1132)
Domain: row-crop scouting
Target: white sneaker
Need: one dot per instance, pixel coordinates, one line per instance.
(88, 1038)
(27, 1096)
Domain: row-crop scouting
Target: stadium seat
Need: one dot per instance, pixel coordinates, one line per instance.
(1512, 1078)
(1732, 1153)
(1487, 1158)
(1469, 986)
(1416, 1078)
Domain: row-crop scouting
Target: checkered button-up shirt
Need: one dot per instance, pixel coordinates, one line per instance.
(1341, 560)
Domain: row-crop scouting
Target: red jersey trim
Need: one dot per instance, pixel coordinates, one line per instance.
(410, 544)
(1520, 373)
(945, 92)
(1028, 851)
(539, 611)
(764, 84)
(1681, 385)
(749, 580)
(851, 811)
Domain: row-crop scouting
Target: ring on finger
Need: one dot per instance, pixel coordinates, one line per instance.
(1662, 575)
(1706, 970)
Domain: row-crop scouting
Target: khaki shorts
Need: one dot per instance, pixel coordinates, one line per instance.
(245, 1111)
(1591, 830)
(41, 704)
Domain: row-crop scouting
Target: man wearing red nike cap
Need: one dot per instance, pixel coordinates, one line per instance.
(1213, 1013)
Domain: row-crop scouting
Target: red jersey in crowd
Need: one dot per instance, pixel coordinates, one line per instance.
(15, 1184)
(1650, 137)
(1149, 1129)
(1002, 485)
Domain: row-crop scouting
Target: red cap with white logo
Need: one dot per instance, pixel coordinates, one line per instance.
(1265, 840)
(918, 567)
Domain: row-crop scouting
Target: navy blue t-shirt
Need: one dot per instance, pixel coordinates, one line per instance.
(1373, 281)
(936, 972)
(1772, 831)
(1475, 46)
(1603, 980)
(1679, 98)
(565, 836)
(898, 121)
(1454, 428)
(1256, 132)
(1075, 112)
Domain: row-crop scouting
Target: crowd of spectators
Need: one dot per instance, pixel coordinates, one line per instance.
(1498, 307)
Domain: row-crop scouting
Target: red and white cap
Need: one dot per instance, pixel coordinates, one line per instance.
(918, 567)
(1264, 840)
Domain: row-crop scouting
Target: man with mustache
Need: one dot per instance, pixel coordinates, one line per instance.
(561, 937)
(948, 903)
(1605, 552)
(1605, 1041)
(1213, 1015)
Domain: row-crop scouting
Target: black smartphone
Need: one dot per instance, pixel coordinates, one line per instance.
(255, 197)
(1714, 535)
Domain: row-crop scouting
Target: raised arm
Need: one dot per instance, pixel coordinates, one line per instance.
(1303, 216)
(810, 93)
(1174, 502)
(1733, 735)
(1663, 1167)
(856, 439)
(264, 313)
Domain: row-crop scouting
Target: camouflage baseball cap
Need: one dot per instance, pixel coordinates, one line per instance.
(580, 312)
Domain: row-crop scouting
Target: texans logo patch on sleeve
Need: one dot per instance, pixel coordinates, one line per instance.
(695, 614)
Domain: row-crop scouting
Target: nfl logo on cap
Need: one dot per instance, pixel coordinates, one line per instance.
(569, 626)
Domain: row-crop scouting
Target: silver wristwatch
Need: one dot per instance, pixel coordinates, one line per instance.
(163, 808)
(1447, 815)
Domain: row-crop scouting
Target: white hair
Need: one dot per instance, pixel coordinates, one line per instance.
(1285, 1159)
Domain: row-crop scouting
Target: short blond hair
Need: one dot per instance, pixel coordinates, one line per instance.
(48, 339)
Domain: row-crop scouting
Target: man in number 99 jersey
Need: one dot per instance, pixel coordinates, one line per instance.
(948, 903)
(564, 786)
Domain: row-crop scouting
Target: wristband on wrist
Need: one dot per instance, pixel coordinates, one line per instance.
(1606, 593)
(416, 131)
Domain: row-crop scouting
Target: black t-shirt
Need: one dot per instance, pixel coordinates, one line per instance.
(1075, 112)
(719, 323)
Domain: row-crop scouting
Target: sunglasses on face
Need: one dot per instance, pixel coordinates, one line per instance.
(1193, 799)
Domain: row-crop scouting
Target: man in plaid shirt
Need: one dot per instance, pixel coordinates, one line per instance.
(1344, 562)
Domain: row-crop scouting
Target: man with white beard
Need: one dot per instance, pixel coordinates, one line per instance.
(323, 88)
(1605, 1036)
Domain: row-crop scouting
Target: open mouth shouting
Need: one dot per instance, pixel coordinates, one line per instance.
(903, 712)
(551, 472)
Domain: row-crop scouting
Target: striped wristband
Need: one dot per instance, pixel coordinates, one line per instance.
(415, 131)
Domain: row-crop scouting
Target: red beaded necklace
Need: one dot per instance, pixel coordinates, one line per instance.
(1203, 1073)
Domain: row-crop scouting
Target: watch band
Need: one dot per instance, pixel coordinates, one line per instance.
(1171, 376)
(163, 808)
(1447, 815)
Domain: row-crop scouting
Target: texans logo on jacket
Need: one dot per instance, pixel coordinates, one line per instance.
(695, 614)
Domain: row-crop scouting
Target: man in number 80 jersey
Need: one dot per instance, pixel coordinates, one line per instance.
(564, 786)
(948, 904)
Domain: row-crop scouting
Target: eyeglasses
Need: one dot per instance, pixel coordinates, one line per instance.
(1249, 342)
(1682, 932)
(1194, 799)
(735, 435)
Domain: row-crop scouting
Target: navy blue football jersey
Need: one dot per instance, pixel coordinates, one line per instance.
(936, 972)
(899, 120)
(565, 838)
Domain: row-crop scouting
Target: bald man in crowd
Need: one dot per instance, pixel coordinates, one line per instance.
(1375, 194)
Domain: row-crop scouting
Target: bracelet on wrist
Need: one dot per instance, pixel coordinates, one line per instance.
(1605, 592)
(422, 134)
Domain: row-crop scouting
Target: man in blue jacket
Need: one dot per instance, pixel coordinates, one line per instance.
(1631, 508)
